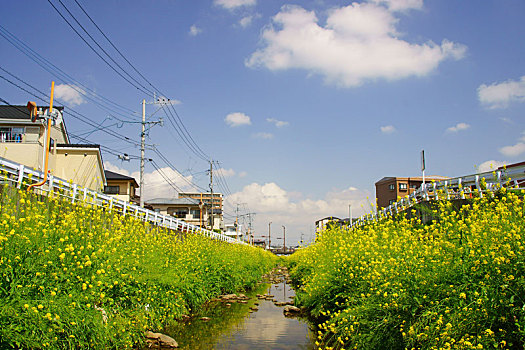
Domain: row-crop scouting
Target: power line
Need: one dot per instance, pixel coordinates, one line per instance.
(48, 66)
(184, 133)
(72, 112)
(95, 51)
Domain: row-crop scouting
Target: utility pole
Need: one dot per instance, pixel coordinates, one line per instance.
(143, 147)
(284, 239)
(269, 236)
(142, 151)
(211, 194)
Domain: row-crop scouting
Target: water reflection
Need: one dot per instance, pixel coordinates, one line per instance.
(235, 327)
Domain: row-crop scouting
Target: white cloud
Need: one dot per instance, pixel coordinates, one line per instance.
(358, 43)
(225, 172)
(246, 21)
(194, 30)
(263, 135)
(243, 174)
(513, 151)
(70, 94)
(490, 165)
(237, 119)
(522, 137)
(234, 4)
(401, 5)
(458, 127)
(155, 185)
(274, 204)
(500, 95)
(506, 120)
(388, 129)
(277, 123)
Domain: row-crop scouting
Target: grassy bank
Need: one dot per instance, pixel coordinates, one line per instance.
(74, 276)
(456, 283)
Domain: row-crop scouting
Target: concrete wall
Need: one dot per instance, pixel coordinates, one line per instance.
(81, 166)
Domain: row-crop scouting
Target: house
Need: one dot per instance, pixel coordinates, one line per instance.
(390, 189)
(121, 186)
(186, 209)
(233, 230)
(321, 224)
(23, 141)
(206, 198)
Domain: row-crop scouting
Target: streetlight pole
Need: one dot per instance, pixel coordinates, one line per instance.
(284, 239)
(350, 215)
(270, 235)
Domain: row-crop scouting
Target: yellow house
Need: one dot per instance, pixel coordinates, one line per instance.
(121, 186)
(23, 141)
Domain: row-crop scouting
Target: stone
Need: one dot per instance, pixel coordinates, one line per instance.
(229, 296)
(254, 308)
(205, 319)
(243, 302)
(291, 309)
(160, 340)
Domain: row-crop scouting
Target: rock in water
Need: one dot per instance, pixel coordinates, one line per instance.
(160, 340)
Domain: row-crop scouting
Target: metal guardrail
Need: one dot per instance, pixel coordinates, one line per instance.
(454, 188)
(16, 174)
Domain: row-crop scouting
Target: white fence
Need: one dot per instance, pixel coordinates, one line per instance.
(454, 188)
(18, 174)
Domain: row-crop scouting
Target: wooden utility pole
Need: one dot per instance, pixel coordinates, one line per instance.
(284, 238)
(270, 235)
(211, 194)
(142, 151)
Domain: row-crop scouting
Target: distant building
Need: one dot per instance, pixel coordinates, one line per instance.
(121, 186)
(23, 141)
(321, 224)
(231, 230)
(206, 198)
(185, 209)
(390, 189)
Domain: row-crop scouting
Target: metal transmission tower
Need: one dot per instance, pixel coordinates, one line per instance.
(143, 144)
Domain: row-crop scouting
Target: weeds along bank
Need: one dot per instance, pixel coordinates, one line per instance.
(74, 276)
(456, 283)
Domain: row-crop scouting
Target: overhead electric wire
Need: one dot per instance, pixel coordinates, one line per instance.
(98, 54)
(188, 139)
(85, 91)
(165, 177)
(72, 112)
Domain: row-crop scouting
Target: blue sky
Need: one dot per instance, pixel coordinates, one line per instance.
(305, 105)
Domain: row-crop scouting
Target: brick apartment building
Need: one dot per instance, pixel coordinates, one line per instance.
(390, 189)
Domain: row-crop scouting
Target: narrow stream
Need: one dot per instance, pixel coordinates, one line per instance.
(234, 325)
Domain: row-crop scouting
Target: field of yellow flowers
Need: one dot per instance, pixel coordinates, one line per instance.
(74, 276)
(457, 283)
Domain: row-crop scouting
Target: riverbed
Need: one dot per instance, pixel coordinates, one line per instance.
(254, 323)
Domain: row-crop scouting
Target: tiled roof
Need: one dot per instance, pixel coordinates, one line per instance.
(19, 112)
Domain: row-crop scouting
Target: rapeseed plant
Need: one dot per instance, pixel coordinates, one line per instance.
(78, 276)
(455, 283)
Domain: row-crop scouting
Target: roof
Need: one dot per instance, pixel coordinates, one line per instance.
(412, 178)
(20, 112)
(110, 175)
(77, 145)
(173, 201)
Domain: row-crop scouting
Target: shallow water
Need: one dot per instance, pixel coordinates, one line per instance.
(235, 327)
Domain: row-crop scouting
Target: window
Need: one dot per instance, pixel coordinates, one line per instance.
(181, 213)
(403, 186)
(392, 187)
(111, 189)
(196, 213)
(12, 134)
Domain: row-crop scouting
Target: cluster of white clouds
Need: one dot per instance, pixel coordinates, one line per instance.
(358, 42)
(458, 127)
(274, 204)
(71, 94)
(234, 4)
(194, 30)
(388, 129)
(500, 95)
(155, 185)
(237, 119)
(490, 165)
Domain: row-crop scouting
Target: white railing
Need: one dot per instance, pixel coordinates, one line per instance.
(462, 187)
(18, 174)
